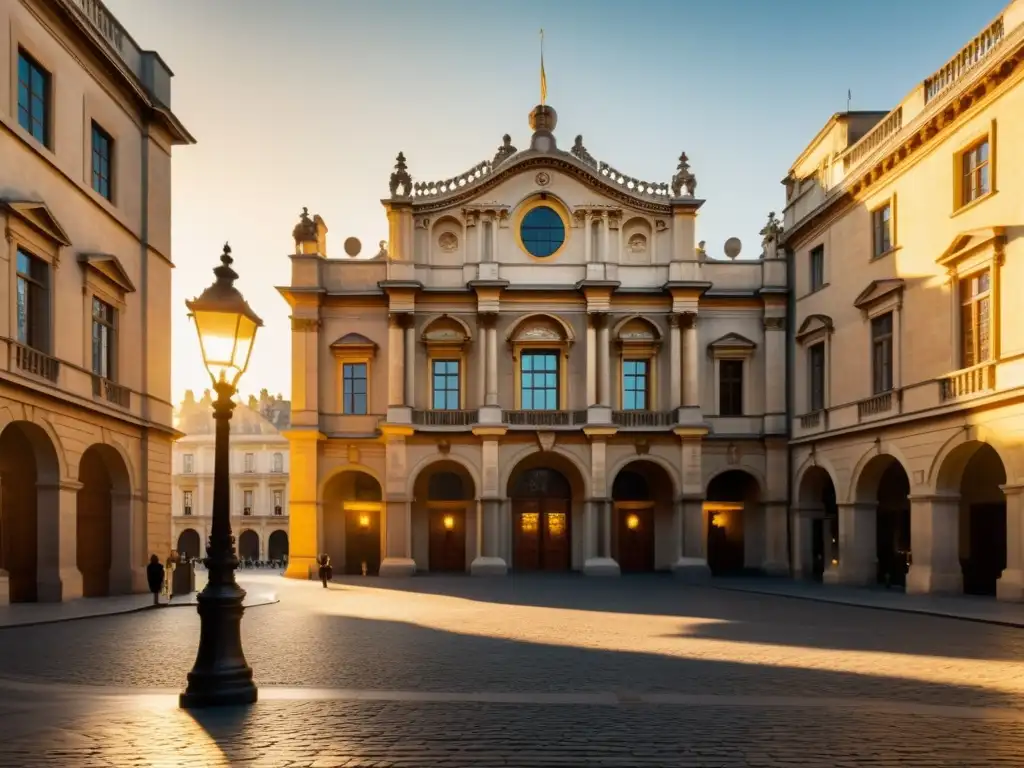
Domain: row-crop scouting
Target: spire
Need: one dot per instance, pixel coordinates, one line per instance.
(543, 76)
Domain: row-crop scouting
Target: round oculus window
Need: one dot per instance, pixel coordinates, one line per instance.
(542, 232)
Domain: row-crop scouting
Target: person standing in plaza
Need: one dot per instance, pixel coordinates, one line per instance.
(326, 572)
(155, 577)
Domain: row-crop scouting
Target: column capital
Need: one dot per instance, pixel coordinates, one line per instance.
(306, 324)
(1011, 490)
(399, 319)
(598, 318)
(689, 320)
(675, 319)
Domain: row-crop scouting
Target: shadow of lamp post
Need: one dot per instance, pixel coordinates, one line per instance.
(227, 327)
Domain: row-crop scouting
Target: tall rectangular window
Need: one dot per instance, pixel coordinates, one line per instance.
(881, 220)
(278, 502)
(33, 98)
(635, 383)
(247, 502)
(975, 319)
(976, 181)
(187, 502)
(817, 257)
(881, 353)
(250, 462)
(730, 387)
(816, 365)
(446, 384)
(539, 381)
(188, 463)
(33, 300)
(353, 389)
(103, 346)
(278, 462)
(102, 161)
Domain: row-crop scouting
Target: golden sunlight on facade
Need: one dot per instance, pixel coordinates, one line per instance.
(541, 370)
(86, 133)
(906, 237)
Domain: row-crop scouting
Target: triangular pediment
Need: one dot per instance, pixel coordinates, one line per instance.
(877, 290)
(966, 243)
(353, 340)
(814, 324)
(732, 341)
(39, 217)
(108, 266)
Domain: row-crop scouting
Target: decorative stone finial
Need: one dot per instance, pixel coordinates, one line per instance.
(401, 181)
(305, 230)
(382, 253)
(581, 152)
(505, 151)
(684, 178)
(771, 231)
(543, 120)
(702, 253)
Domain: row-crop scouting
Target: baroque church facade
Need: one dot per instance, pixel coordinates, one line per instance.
(541, 369)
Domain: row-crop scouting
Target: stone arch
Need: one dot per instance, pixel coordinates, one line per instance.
(810, 464)
(277, 544)
(816, 524)
(8, 417)
(565, 329)
(104, 522)
(881, 483)
(248, 545)
(349, 467)
(754, 472)
(425, 463)
(189, 544)
(30, 471)
(951, 459)
(859, 481)
(439, 319)
(637, 318)
(734, 522)
(666, 465)
(556, 200)
(643, 493)
(444, 526)
(557, 451)
(353, 509)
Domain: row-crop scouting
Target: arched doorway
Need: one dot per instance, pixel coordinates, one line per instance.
(27, 461)
(444, 494)
(249, 545)
(277, 546)
(189, 544)
(642, 502)
(104, 496)
(352, 526)
(819, 517)
(975, 471)
(884, 482)
(733, 498)
(541, 505)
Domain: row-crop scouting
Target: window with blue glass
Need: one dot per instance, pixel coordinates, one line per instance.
(539, 381)
(446, 385)
(542, 231)
(102, 153)
(635, 381)
(353, 389)
(33, 98)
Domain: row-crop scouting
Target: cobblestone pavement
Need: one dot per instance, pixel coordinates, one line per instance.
(525, 672)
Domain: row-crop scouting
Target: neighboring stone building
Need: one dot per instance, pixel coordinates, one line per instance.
(539, 370)
(86, 132)
(259, 477)
(903, 229)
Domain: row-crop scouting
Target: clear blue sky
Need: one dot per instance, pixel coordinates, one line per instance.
(306, 103)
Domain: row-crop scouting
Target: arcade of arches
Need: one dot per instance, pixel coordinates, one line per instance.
(61, 539)
(952, 541)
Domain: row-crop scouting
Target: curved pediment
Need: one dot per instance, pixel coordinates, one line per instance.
(814, 324)
(446, 329)
(354, 342)
(638, 329)
(540, 326)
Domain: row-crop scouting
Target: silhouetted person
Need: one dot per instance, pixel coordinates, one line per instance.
(326, 572)
(155, 577)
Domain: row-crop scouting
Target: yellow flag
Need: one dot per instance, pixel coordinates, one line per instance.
(543, 77)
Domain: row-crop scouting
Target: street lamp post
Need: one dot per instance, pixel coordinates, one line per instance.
(227, 327)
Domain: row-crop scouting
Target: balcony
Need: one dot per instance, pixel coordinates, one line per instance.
(878, 405)
(644, 419)
(968, 382)
(188, 512)
(964, 62)
(111, 392)
(442, 418)
(544, 418)
(811, 420)
(34, 362)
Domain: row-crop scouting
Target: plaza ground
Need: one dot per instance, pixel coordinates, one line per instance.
(524, 672)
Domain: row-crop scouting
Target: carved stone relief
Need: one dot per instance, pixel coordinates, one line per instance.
(448, 242)
(542, 179)
(637, 243)
(540, 334)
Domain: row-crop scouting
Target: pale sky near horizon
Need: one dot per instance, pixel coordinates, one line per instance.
(306, 103)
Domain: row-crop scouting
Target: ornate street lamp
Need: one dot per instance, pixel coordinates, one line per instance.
(227, 327)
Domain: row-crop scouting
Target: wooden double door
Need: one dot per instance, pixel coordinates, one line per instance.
(447, 546)
(541, 534)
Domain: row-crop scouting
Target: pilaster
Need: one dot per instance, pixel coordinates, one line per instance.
(691, 368)
(1011, 584)
(776, 557)
(304, 518)
(305, 367)
(489, 562)
(803, 543)
(775, 374)
(57, 536)
(675, 356)
(935, 543)
(857, 544)
(690, 531)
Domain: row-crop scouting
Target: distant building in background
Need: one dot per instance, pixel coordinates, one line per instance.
(86, 134)
(907, 384)
(259, 476)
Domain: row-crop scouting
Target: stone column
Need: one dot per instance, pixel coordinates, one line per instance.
(123, 560)
(603, 364)
(775, 371)
(489, 562)
(492, 362)
(857, 545)
(803, 544)
(934, 545)
(1011, 584)
(691, 370)
(410, 363)
(57, 541)
(481, 362)
(397, 539)
(396, 357)
(776, 555)
(591, 360)
(305, 526)
(598, 530)
(690, 531)
(675, 358)
(588, 228)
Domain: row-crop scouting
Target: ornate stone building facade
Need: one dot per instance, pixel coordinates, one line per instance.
(539, 370)
(86, 134)
(904, 229)
(259, 477)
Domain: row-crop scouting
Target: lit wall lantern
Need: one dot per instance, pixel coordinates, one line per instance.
(448, 521)
(364, 520)
(718, 520)
(632, 521)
